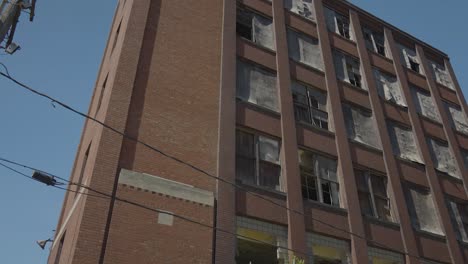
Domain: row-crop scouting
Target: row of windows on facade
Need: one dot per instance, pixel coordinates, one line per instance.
(306, 50)
(260, 242)
(258, 164)
(258, 86)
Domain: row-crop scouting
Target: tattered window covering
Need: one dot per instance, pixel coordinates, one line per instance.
(423, 212)
(360, 126)
(304, 49)
(389, 88)
(425, 104)
(459, 120)
(403, 143)
(263, 33)
(458, 213)
(338, 23)
(443, 158)
(256, 85)
(303, 8)
(408, 55)
(347, 69)
(442, 75)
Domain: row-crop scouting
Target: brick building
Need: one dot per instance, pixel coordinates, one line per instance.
(335, 137)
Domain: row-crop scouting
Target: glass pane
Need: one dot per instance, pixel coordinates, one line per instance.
(365, 202)
(268, 149)
(270, 175)
(309, 187)
(326, 193)
(325, 168)
(383, 208)
(379, 187)
(245, 144)
(245, 170)
(361, 181)
(302, 113)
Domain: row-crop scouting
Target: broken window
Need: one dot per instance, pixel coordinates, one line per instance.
(256, 85)
(442, 157)
(442, 75)
(360, 126)
(373, 197)
(381, 256)
(465, 157)
(459, 216)
(255, 28)
(338, 23)
(375, 41)
(425, 104)
(422, 210)
(319, 178)
(258, 160)
(403, 142)
(303, 8)
(328, 250)
(458, 118)
(304, 49)
(260, 242)
(410, 58)
(389, 88)
(310, 105)
(348, 69)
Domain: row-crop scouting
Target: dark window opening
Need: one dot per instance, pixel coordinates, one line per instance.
(101, 95)
(343, 27)
(83, 168)
(414, 65)
(59, 250)
(252, 252)
(244, 24)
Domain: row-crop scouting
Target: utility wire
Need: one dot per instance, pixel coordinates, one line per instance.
(104, 195)
(64, 105)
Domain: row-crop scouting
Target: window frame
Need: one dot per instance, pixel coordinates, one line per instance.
(310, 108)
(368, 176)
(375, 44)
(343, 26)
(258, 161)
(462, 212)
(252, 13)
(306, 173)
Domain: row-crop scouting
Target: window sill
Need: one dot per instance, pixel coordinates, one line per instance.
(308, 67)
(326, 207)
(319, 130)
(350, 41)
(359, 89)
(259, 108)
(368, 147)
(313, 22)
(430, 120)
(431, 235)
(449, 177)
(411, 163)
(460, 133)
(262, 190)
(381, 56)
(452, 90)
(414, 72)
(381, 222)
(256, 45)
(399, 106)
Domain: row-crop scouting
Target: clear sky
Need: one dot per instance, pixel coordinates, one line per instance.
(61, 53)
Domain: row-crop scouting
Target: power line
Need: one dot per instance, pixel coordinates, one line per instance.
(184, 218)
(64, 105)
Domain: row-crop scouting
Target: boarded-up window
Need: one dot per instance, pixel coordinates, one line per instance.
(257, 160)
(458, 118)
(422, 210)
(375, 41)
(443, 158)
(348, 69)
(360, 126)
(260, 242)
(255, 28)
(310, 105)
(304, 8)
(373, 197)
(459, 216)
(403, 142)
(319, 178)
(304, 49)
(410, 59)
(327, 249)
(389, 88)
(338, 23)
(256, 85)
(425, 104)
(442, 75)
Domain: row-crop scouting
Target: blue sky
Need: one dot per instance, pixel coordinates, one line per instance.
(61, 53)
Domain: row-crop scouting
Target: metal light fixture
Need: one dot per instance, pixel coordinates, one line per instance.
(42, 243)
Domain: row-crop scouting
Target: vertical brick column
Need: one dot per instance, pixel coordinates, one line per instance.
(398, 197)
(224, 244)
(461, 98)
(449, 131)
(437, 194)
(345, 170)
(289, 154)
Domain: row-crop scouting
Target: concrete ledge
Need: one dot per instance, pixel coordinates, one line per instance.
(165, 186)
